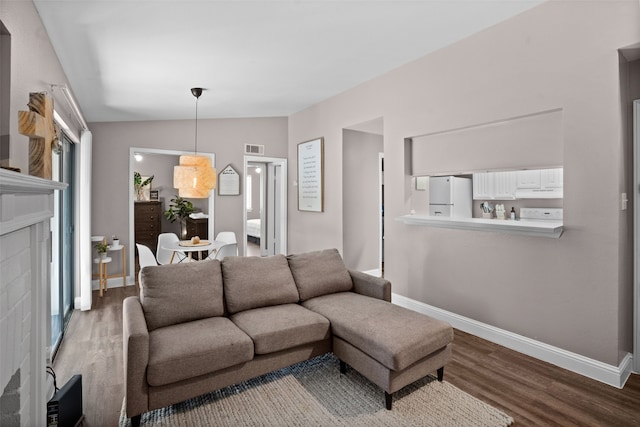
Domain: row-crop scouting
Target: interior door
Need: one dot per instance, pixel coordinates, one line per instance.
(273, 209)
(269, 217)
(271, 183)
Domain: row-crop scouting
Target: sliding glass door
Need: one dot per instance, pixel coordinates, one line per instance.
(62, 231)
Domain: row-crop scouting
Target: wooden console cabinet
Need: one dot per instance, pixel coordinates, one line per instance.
(147, 223)
(197, 227)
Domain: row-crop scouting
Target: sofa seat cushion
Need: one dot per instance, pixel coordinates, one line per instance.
(394, 336)
(253, 282)
(319, 273)
(187, 350)
(281, 327)
(166, 290)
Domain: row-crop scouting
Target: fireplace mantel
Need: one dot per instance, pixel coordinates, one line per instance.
(22, 203)
(26, 206)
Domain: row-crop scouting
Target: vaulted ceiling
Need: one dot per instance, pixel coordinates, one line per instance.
(136, 59)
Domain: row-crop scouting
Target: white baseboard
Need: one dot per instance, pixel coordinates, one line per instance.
(114, 282)
(615, 376)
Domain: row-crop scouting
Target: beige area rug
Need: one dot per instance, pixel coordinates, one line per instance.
(314, 393)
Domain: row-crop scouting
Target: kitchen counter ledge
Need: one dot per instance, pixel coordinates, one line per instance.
(551, 229)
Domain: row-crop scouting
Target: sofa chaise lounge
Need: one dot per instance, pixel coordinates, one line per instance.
(202, 326)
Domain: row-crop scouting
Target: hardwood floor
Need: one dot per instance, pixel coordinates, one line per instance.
(92, 347)
(531, 391)
(535, 392)
(253, 249)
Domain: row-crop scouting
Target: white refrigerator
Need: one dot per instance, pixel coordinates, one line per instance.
(450, 196)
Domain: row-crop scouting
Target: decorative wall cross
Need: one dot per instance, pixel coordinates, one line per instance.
(39, 126)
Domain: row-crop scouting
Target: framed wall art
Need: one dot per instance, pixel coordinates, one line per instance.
(311, 175)
(228, 182)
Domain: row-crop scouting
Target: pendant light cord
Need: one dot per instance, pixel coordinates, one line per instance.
(196, 147)
(196, 91)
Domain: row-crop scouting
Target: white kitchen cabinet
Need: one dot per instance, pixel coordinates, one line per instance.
(528, 179)
(522, 184)
(540, 184)
(483, 184)
(504, 185)
(494, 185)
(551, 178)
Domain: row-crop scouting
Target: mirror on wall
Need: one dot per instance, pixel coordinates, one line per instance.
(157, 195)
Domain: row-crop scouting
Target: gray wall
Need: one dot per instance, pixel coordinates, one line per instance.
(224, 137)
(573, 293)
(360, 204)
(34, 67)
(569, 292)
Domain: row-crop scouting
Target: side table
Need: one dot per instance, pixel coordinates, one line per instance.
(123, 274)
(103, 262)
(102, 271)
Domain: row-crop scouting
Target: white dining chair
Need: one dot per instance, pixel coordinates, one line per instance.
(226, 237)
(228, 249)
(145, 258)
(164, 255)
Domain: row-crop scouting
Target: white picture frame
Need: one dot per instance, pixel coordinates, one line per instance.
(228, 182)
(311, 175)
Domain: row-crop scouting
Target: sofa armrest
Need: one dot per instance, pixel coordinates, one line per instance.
(371, 286)
(135, 357)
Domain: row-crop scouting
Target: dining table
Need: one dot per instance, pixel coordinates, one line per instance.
(188, 248)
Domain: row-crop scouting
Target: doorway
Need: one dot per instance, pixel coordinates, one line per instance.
(265, 206)
(163, 181)
(363, 197)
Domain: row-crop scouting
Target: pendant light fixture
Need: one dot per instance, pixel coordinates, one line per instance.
(194, 177)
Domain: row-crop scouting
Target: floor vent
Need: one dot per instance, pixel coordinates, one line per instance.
(253, 149)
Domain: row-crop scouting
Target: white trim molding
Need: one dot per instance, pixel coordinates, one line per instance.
(636, 240)
(551, 229)
(615, 376)
(113, 282)
(83, 198)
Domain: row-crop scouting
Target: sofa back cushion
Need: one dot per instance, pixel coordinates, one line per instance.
(252, 282)
(178, 293)
(319, 273)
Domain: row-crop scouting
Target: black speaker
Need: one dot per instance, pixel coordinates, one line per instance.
(65, 407)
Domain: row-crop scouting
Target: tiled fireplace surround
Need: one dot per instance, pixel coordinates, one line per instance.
(26, 206)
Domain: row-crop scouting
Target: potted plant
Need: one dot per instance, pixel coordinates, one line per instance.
(139, 184)
(102, 249)
(179, 209)
(115, 242)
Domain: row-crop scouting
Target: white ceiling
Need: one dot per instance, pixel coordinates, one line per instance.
(137, 59)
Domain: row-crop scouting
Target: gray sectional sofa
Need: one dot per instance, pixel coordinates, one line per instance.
(202, 326)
